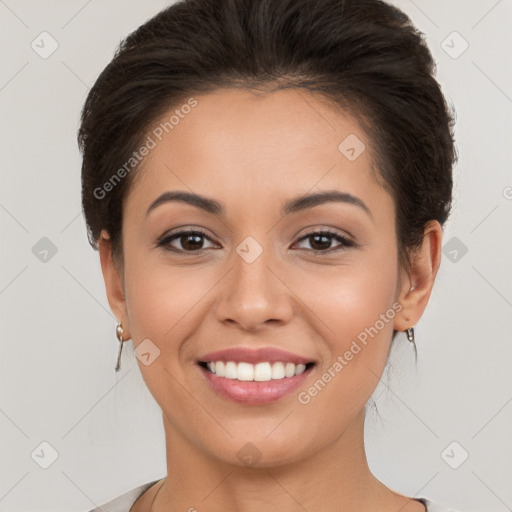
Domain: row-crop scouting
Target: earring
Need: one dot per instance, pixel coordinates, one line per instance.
(410, 334)
(119, 334)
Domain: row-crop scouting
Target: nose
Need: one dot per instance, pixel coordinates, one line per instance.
(254, 294)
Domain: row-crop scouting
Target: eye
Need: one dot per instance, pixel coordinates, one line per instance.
(320, 241)
(190, 240)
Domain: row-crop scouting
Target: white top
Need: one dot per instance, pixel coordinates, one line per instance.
(124, 502)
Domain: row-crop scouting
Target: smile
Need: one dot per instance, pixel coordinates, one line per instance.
(260, 372)
(254, 376)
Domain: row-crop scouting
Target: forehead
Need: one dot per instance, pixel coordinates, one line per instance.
(284, 143)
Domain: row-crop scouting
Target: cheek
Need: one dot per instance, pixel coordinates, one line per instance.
(356, 305)
(362, 300)
(163, 300)
(159, 298)
(351, 297)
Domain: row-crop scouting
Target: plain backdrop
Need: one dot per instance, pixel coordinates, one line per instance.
(58, 345)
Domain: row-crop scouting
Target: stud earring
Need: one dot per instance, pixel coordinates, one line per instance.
(410, 334)
(119, 334)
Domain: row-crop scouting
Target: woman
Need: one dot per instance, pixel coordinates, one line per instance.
(266, 182)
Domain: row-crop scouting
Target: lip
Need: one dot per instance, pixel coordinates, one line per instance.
(253, 392)
(254, 356)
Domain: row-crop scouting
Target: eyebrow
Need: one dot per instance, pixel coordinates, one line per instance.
(292, 206)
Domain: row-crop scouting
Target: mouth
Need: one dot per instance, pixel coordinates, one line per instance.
(254, 377)
(260, 372)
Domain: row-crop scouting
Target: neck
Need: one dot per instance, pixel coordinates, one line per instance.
(337, 478)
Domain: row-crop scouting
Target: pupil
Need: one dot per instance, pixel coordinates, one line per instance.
(320, 242)
(196, 244)
(323, 239)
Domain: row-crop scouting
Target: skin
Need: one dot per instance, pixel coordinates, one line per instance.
(252, 153)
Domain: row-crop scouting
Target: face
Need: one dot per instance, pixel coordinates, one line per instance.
(261, 272)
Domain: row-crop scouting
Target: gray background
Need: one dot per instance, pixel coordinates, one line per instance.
(58, 345)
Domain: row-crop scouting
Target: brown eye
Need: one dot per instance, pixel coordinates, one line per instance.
(320, 241)
(187, 241)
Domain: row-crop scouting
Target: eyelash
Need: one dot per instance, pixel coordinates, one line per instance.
(168, 238)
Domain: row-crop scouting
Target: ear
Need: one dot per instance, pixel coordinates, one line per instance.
(113, 282)
(416, 285)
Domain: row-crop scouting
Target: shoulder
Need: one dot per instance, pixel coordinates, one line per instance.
(432, 506)
(124, 502)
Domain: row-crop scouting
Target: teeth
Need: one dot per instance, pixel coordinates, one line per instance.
(260, 372)
(278, 371)
(245, 371)
(300, 369)
(289, 370)
(231, 370)
(220, 368)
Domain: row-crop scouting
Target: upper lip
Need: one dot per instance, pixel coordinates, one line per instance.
(250, 355)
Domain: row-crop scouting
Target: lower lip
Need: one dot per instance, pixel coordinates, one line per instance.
(254, 392)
